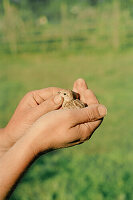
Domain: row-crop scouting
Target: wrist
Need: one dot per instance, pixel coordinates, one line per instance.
(39, 141)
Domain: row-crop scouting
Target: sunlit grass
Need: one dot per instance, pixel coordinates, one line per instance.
(77, 27)
(94, 43)
(107, 157)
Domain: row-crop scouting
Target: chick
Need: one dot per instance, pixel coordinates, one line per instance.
(70, 100)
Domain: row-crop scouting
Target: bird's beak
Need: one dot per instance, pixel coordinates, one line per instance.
(58, 92)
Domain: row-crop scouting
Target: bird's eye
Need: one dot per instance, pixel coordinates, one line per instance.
(64, 93)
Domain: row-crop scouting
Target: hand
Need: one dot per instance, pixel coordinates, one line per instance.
(64, 128)
(88, 97)
(32, 106)
(33, 132)
(54, 130)
(36, 104)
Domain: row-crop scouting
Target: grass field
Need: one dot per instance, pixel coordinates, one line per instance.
(102, 167)
(66, 43)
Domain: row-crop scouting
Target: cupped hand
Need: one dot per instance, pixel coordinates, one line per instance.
(37, 103)
(64, 128)
(34, 129)
(33, 105)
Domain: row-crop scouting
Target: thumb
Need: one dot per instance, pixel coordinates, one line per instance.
(89, 114)
(50, 104)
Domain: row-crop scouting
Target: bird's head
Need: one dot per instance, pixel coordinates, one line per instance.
(66, 94)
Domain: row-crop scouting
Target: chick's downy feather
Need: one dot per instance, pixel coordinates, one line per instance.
(71, 100)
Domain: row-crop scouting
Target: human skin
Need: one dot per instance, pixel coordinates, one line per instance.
(70, 127)
(33, 105)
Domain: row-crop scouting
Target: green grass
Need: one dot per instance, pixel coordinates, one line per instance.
(102, 167)
(64, 26)
(78, 40)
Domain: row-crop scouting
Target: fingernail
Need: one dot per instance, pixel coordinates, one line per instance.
(102, 110)
(57, 99)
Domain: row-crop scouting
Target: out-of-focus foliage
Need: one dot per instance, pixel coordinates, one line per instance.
(52, 43)
(102, 167)
(52, 25)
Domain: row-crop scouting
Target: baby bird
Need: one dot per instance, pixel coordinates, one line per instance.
(70, 100)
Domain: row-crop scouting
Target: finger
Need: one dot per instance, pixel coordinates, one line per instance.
(44, 94)
(50, 104)
(81, 133)
(79, 84)
(91, 113)
(86, 95)
(87, 129)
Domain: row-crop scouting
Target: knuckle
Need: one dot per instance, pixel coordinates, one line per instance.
(29, 93)
(26, 96)
(91, 115)
(51, 102)
(48, 107)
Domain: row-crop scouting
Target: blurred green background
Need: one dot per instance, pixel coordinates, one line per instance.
(52, 43)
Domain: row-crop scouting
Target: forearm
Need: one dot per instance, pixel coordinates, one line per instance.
(13, 163)
(3, 141)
